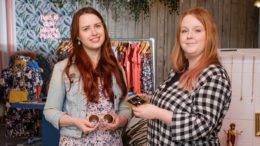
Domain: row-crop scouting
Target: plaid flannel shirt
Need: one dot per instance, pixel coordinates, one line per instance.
(197, 115)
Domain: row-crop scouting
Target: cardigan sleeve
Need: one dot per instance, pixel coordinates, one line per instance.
(55, 98)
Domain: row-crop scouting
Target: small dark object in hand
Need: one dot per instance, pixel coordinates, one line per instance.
(136, 100)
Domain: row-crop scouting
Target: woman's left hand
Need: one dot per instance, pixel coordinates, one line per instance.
(119, 121)
(145, 111)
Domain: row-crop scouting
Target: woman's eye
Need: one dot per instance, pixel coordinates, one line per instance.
(183, 31)
(98, 26)
(86, 28)
(198, 30)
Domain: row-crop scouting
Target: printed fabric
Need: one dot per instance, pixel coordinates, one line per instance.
(98, 137)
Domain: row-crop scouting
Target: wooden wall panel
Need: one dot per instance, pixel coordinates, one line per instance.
(234, 23)
(160, 41)
(185, 4)
(242, 24)
(226, 23)
(170, 32)
(219, 21)
(201, 3)
(153, 33)
(131, 28)
(146, 27)
(252, 25)
(237, 23)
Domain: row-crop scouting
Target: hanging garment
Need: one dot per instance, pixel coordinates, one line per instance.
(115, 51)
(22, 123)
(26, 73)
(136, 67)
(62, 50)
(128, 53)
(45, 74)
(33, 80)
(6, 82)
(23, 74)
(147, 73)
(137, 61)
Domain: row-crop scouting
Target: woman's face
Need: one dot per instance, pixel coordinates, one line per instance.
(91, 32)
(192, 36)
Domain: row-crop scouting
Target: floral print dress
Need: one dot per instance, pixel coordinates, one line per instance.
(98, 137)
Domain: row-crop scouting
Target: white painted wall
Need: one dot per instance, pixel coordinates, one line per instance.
(242, 112)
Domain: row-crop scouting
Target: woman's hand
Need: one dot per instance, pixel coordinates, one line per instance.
(84, 125)
(146, 97)
(145, 111)
(119, 121)
(150, 111)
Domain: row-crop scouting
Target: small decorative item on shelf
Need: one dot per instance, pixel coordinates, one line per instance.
(232, 133)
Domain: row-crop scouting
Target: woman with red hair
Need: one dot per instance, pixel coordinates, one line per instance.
(189, 107)
(87, 90)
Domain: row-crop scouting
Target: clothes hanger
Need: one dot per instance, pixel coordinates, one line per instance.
(118, 46)
(142, 45)
(114, 43)
(147, 48)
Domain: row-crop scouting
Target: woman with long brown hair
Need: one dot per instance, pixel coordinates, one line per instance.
(189, 107)
(87, 90)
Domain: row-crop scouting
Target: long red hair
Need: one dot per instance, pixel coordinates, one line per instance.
(209, 56)
(107, 65)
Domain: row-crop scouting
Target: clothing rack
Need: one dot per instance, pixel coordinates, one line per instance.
(152, 46)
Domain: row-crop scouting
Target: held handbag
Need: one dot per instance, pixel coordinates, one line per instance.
(17, 95)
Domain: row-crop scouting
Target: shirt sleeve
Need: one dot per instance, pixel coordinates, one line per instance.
(209, 103)
(55, 98)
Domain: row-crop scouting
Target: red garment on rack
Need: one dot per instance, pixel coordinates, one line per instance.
(128, 67)
(136, 66)
(131, 62)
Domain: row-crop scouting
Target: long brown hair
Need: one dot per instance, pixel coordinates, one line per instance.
(210, 52)
(107, 65)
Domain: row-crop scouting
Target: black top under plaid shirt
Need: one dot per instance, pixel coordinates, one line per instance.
(197, 115)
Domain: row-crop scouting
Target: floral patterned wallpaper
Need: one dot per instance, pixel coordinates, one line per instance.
(40, 25)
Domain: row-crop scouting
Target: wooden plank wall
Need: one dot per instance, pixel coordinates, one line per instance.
(237, 22)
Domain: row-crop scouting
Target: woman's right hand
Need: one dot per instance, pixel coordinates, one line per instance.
(146, 97)
(84, 125)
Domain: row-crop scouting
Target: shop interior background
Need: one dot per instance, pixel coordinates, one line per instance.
(23, 27)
